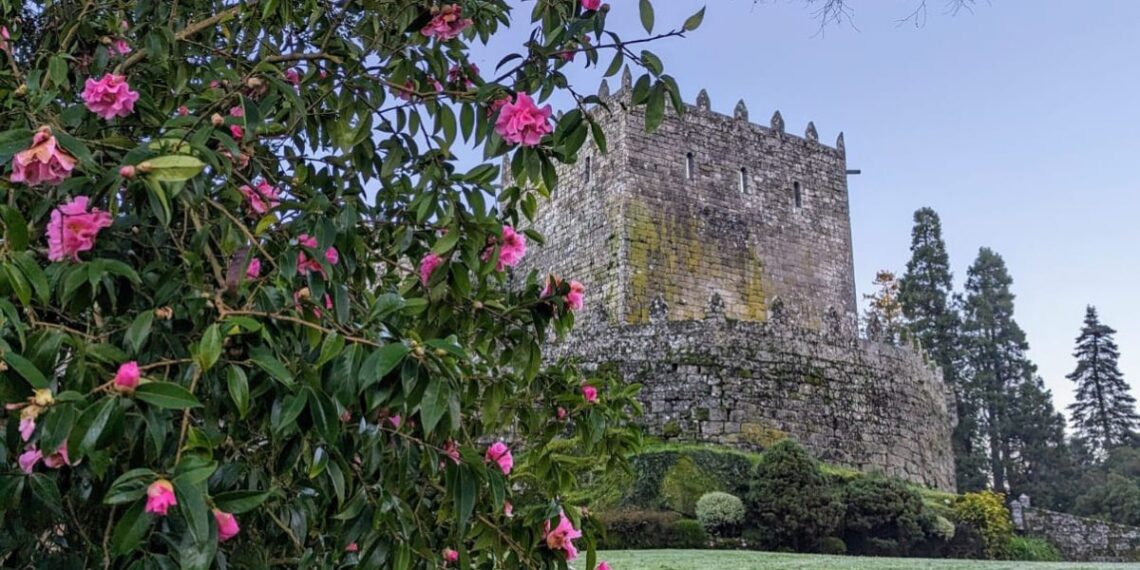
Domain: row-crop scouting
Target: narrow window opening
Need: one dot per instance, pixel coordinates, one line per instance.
(588, 165)
(743, 180)
(689, 166)
(799, 194)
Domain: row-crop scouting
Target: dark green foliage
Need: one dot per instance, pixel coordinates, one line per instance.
(1104, 413)
(1032, 549)
(1023, 433)
(883, 516)
(1115, 498)
(832, 545)
(638, 529)
(689, 533)
(926, 298)
(790, 500)
(715, 470)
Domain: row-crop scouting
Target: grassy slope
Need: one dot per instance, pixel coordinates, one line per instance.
(743, 560)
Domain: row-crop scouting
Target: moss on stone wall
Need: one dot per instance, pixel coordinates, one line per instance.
(761, 434)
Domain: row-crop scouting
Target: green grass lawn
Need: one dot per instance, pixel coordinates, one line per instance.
(744, 560)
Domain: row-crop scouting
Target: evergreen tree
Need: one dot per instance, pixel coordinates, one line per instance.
(1104, 413)
(883, 320)
(926, 300)
(994, 347)
(1040, 462)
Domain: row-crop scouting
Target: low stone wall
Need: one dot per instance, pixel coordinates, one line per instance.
(1078, 538)
(851, 402)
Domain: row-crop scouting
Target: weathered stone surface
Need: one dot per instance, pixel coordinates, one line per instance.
(709, 283)
(1076, 537)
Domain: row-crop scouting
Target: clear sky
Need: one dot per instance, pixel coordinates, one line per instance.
(1018, 123)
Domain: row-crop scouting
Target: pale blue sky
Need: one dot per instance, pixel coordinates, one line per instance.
(1018, 123)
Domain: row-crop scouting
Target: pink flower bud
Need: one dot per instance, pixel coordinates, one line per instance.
(127, 377)
(160, 497)
(127, 171)
(227, 525)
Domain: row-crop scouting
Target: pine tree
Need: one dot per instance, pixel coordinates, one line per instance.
(994, 347)
(1104, 413)
(883, 320)
(925, 293)
(1040, 462)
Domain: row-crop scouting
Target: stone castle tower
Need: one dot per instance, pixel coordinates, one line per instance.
(717, 259)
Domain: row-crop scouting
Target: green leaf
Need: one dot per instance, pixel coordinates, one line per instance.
(269, 363)
(434, 403)
(35, 274)
(330, 348)
(57, 71)
(238, 502)
(172, 168)
(615, 64)
(694, 21)
(130, 529)
(652, 62)
(381, 362)
(238, 386)
(45, 490)
(446, 243)
(139, 330)
(463, 491)
(15, 228)
(56, 427)
(209, 348)
(192, 503)
(646, 10)
(25, 368)
(130, 486)
(655, 108)
(166, 395)
(88, 428)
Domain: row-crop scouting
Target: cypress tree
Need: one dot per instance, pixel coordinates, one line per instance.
(994, 347)
(925, 293)
(1104, 413)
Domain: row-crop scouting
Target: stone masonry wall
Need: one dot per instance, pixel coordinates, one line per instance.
(732, 302)
(852, 403)
(1078, 538)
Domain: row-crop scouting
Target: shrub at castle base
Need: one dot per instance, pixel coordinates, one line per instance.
(719, 253)
(251, 313)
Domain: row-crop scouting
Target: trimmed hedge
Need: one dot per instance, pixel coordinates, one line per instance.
(791, 500)
(641, 529)
(674, 478)
(884, 517)
(720, 513)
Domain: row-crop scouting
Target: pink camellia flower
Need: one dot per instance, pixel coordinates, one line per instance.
(500, 454)
(128, 171)
(73, 229)
(160, 497)
(43, 162)
(237, 132)
(29, 459)
(4, 37)
(395, 420)
(591, 5)
(27, 427)
(450, 556)
(351, 547)
(215, 84)
(305, 265)
(560, 413)
(562, 536)
(57, 459)
(407, 92)
(590, 393)
(121, 47)
(227, 525)
(512, 249)
(496, 105)
(293, 76)
(446, 23)
(183, 111)
(451, 449)
(522, 122)
(237, 111)
(254, 269)
(110, 96)
(574, 299)
(603, 566)
(428, 266)
(435, 84)
(261, 198)
(508, 510)
(127, 377)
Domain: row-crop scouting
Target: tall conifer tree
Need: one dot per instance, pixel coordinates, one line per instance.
(994, 347)
(927, 304)
(1104, 413)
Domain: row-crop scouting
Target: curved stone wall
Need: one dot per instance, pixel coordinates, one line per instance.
(851, 402)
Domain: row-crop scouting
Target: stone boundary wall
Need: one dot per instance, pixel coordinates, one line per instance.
(851, 402)
(1078, 538)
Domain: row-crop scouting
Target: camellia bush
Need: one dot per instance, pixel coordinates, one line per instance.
(252, 312)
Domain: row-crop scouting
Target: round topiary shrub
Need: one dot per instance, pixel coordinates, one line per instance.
(791, 500)
(832, 545)
(720, 513)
